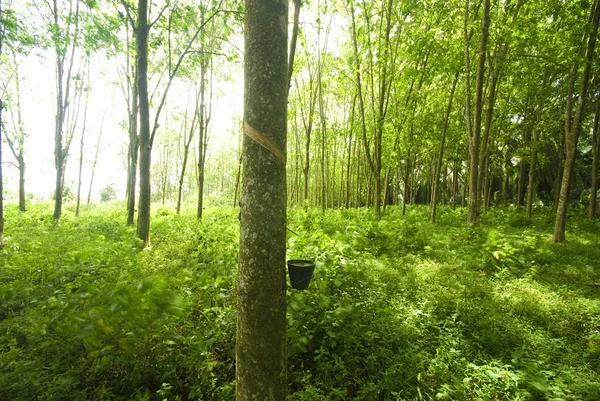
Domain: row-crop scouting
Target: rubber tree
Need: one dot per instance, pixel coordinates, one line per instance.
(474, 131)
(573, 122)
(440, 155)
(595, 162)
(64, 25)
(16, 141)
(2, 30)
(261, 320)
(174, 62)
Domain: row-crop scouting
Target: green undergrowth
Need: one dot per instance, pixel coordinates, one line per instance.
(398, 309)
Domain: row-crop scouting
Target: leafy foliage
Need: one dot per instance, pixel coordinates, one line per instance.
(397, 308)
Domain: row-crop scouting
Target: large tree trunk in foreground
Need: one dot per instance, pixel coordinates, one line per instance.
(261, 369)
(572, 129)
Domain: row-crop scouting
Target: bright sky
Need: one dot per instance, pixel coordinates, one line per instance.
(38, 90)
(38, 112)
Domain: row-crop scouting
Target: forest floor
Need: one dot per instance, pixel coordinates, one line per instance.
(398, 309)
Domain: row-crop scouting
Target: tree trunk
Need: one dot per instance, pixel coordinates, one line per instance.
(474, 140)
(202, 140)
(81, 152)
(440, 156)
(572, 134)
(292, 55)
(186, 151)
(89, 197)
(406, 187)
(595, 163)
(134, 146)
(532, 163)
(523, 173)
(18, 150)
(261, 370)
(63, 99)
(348, 161)
(323, 119)
(143, 226)
(1, 176)
(165, 171)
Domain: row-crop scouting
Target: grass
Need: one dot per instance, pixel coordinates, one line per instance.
(398, 309)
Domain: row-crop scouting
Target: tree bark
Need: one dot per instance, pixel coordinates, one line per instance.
(202, 140)
(62, 142)
(440, 156)
(572, 134)
(186, 150)
(261, 369)
(134, 147)
(595, 163)
(532, 163)
(292, 55)
(95, 163)
(81, 150)
(474, 140)
(143, 226)
(1, 176)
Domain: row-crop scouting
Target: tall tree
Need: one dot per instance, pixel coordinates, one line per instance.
(440, 155)
(65, 29)
(16, 141)
(81, 143)
(475, 130)
(174, 62)
(2, 32)
(573, 122)
(96, 155)
(188, 135)
(595, 162)
(261, 369)
(142, 28)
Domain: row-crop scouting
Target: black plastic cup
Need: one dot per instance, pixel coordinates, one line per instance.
(300, 272)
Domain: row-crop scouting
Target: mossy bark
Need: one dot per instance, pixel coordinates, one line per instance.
(261, 324)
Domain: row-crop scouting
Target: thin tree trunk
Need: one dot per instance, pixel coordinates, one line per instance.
(348, 162)
(532, 163)
(143, 226)
(63, 99)
(292, 54)
(186, 151)
(440, 156)
(572, 135)
(474, 141)
(165, 172)
(89, 197)
(595, 163)
(202, 140)
(1, 176)
(323, 138)
(406, 188)
(134, 147)
(17, 144)
(81, 152)
(523, 173)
